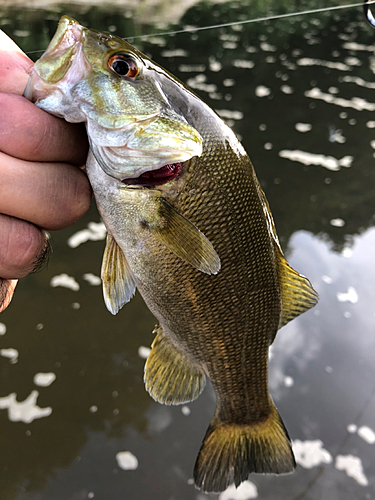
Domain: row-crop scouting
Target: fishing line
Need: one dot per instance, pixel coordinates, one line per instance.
(247, 21)
(255, 20)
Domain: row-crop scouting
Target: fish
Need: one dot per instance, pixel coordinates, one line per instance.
(189, 226)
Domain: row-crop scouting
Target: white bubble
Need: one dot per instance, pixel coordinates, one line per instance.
(65, 281)
(262, 91)
(288, 381)
(246, 491)
(350, 296)
(367, 434)
(311, 453)
(96, 231)
(3, 329)
(10, 353)
(327, 279)
(92, 279)
(303, 127)
(126, 460)
(352, 467)
(25, 411)
(337, 222)
(185, 410)
(352, 428)
(143, 352)
(44, 379)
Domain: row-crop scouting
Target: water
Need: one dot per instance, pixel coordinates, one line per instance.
(300, 94)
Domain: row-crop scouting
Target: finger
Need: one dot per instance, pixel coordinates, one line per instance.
(15, 66)
(22, 245)
(40, 136)
(50, 195)
(6, 292)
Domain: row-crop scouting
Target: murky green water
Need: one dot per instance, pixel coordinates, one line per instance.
(300, 94)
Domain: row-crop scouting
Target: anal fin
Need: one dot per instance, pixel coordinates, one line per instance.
(170, 378)
(118, 282)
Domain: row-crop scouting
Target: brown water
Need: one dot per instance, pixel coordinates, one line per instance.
(300, 93)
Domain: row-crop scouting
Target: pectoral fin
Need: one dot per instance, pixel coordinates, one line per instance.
(118, 282)
(170, 377)
(297, 294)
(184, 239)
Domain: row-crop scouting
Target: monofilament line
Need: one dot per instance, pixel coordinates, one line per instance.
(247, 21)
(255, 20)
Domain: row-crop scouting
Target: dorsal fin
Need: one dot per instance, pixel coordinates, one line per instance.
(297, 293)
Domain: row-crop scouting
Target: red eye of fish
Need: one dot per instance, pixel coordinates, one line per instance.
(123, 65)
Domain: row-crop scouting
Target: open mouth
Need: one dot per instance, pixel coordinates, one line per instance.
(156, 177)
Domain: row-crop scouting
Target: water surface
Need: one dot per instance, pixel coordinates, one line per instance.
(76, 422)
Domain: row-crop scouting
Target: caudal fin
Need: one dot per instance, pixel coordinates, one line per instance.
(230, 452)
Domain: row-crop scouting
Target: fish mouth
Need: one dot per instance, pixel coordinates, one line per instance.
(158, 177)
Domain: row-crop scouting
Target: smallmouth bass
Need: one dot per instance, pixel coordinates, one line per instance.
(190, 227)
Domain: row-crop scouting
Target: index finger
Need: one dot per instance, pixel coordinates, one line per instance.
(41, 136)
(15, 66)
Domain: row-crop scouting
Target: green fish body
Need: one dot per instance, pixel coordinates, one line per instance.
(189, 226)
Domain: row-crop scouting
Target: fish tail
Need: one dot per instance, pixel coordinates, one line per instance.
(230, 452)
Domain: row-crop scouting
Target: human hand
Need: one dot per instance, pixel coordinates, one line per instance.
(41, 187)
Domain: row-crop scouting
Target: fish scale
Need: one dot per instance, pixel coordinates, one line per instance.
(200, 245)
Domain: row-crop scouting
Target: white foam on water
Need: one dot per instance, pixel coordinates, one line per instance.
(246, 491)
(199, 82)
(286, 89)
(65, 281)
(3, 329)
(350, 296)
(352, 428)
(303, 127)
(288, 381)
(185, 410)
(143, 352)
(310, 454)
(192, 68)
(355, 102)
(266, 47)
(352, 466)
(328, 162)
(262, 91)
(44, 379)
(243, 63)
(95, 231)
(367, 434)
(25, 411)
(126, 460)
(92, 279)
(337, 222)
(358, 46)
(174, 53)
(308, 61)
(358, 81)
(10, 353)
(327, 279)
(229, 114)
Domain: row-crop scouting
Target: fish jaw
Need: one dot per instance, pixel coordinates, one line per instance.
(133, 128)
(58, 70)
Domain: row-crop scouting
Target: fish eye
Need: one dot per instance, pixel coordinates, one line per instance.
(123, 65)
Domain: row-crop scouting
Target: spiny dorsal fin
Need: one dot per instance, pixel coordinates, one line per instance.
(170, 377)
(297, 293)
(118, 283)
(184, 239)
